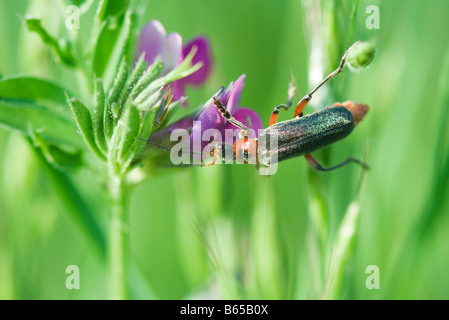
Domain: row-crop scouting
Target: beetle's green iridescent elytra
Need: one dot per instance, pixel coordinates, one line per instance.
(303, 135)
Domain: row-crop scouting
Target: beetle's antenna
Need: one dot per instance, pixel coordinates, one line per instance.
(308, 96)
(227, 115)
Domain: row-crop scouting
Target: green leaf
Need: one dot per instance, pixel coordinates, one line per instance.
(28, 103)
(114, 110)
(124, 138)
(99, 109)
(61, 48)
(110, 8)
(112, 45)
(83, 5)
(131, 130)
(150, 75)
(108, 123)
(139, 143)
(133, 80)
(63, 160)
(114, 148)
(184, 69)
(38, 90)
(31, 88)
(84, 122)
(28, 115)
(107, 38)
(119, 85)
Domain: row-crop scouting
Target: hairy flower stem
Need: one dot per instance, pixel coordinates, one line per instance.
(118, 238)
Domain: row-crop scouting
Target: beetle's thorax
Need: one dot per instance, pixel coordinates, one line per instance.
(358, 110)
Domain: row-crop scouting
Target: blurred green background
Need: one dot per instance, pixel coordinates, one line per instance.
(225, 231)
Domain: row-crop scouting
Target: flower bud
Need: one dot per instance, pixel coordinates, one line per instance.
(361, 56)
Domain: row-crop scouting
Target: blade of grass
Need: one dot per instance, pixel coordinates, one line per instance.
(344, 247)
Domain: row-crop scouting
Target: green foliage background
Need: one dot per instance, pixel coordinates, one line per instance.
(181, 215)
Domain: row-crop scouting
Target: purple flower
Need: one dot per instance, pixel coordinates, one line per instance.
(155, 42)
(211, 118)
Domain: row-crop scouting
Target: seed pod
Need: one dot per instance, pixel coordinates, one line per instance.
(361, 56)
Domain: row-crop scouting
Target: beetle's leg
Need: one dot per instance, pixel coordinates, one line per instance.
(275, 113)
(319, 167)
(286, 106)
(308, 97)
(301, 105)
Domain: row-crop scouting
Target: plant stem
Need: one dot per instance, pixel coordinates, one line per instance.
(118, 239)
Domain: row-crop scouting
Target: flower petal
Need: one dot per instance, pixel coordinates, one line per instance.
(202, 55)
(211, 118)
(248, 117)
(151, 41)
(178, 91)
(172, 52)
(154, 41)
(234, 96)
